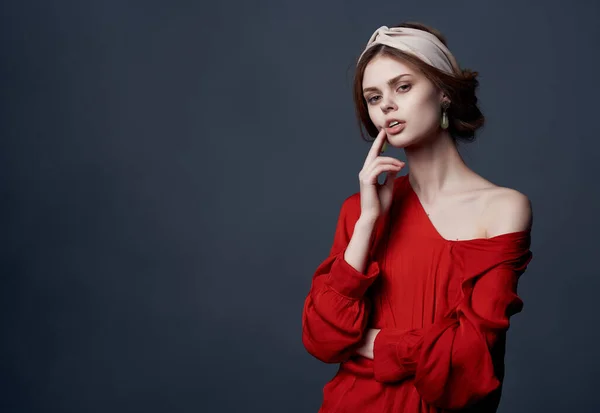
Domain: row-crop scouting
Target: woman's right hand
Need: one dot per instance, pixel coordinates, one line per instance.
(376, 198)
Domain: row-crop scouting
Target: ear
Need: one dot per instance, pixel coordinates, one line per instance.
(444, 97)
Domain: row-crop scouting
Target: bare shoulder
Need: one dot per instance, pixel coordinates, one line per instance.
(506, 210)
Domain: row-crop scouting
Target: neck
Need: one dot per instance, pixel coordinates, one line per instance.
(435, 166)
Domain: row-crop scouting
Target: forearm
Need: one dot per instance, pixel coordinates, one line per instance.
(357, 250)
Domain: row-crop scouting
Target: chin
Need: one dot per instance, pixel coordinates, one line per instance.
(402, 141)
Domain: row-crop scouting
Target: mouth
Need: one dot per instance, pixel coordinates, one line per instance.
(395, 128)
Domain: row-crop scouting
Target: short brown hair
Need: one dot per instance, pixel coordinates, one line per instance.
(464, 115)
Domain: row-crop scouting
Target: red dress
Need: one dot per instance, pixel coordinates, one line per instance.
(443, 308)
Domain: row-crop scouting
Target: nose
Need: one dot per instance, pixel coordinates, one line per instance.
(388, 104)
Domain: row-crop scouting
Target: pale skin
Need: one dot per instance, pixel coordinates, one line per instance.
(460, 203)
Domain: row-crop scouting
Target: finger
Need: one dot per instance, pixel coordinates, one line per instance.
(376, 147)
(392, 174)
(391, 177)
(384, 160)
(378, 169)
(372, 176)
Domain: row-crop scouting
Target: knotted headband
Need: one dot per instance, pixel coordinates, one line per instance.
(418, 43)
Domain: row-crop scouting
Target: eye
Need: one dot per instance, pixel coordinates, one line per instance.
(402, 88)
(370, 100)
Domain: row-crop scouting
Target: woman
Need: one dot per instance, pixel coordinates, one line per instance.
(415, 297)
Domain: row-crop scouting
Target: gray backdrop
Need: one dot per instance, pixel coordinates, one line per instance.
(171, 174)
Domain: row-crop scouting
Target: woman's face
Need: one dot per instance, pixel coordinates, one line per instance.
(394, 90)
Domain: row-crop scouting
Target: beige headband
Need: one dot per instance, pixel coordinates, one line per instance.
(419, 43)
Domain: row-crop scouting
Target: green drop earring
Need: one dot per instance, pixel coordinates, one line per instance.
(445, 122)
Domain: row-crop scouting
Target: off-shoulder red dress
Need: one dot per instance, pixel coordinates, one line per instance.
(443, 308)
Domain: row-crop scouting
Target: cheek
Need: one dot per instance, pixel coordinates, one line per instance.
(375, 118)
(422, 113)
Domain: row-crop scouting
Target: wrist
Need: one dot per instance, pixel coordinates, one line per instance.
(366, 221)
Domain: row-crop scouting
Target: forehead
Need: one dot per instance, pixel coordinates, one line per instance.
(382, 68)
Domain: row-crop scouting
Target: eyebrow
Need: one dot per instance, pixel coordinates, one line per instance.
(389, 82)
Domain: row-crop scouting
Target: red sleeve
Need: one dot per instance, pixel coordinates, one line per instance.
(452, 360)
(335, 312)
